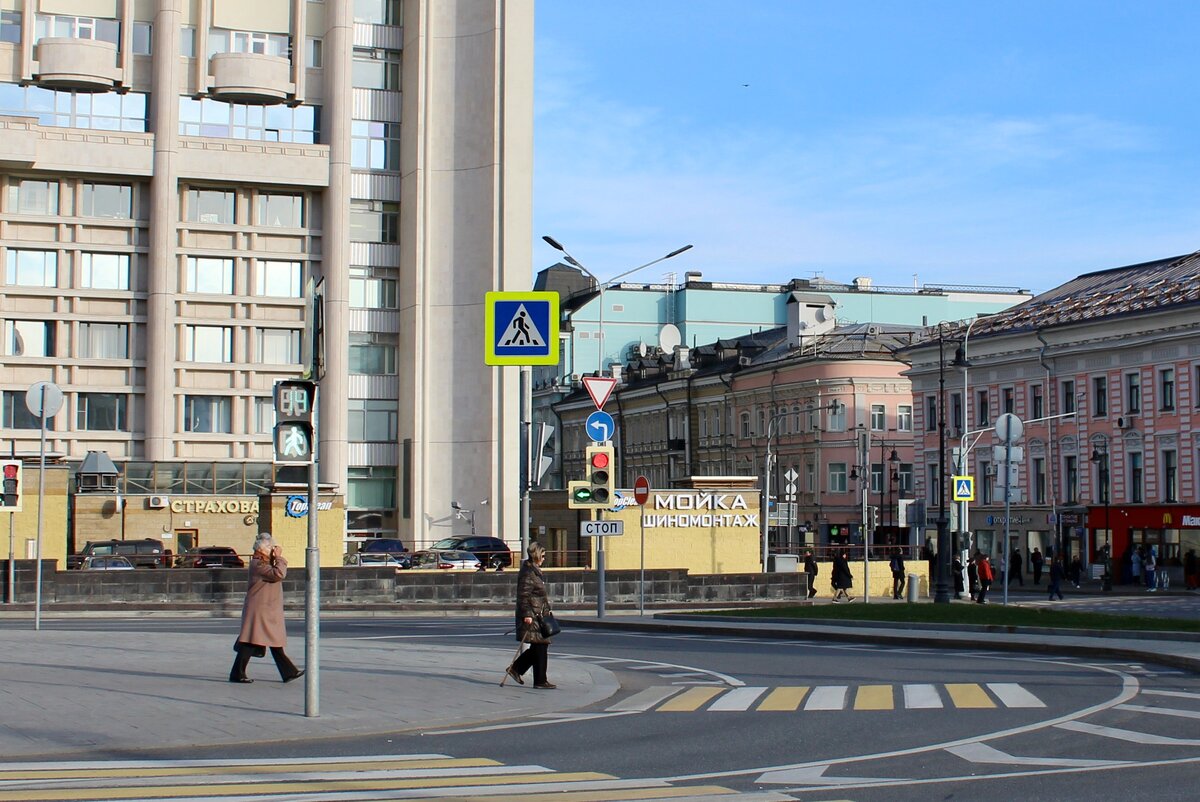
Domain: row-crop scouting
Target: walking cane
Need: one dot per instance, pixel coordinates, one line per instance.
(520, 646)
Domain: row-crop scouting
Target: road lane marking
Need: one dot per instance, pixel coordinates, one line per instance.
(645, 699)
(1161, 711)
(1178, 694)
(874, 697)
(921, 697)
(785, 698)
(737, 700)
(689, 700)
(1011, 694)
(968, 695)
(983, 753)
(1126, 735)
(827, 697)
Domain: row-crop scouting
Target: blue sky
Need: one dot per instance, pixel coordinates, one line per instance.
(1003, 143)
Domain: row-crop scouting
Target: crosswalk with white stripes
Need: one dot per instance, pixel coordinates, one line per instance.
(373, 777)
(793, 698)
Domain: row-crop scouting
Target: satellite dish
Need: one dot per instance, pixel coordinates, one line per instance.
(642, 349)
(669, 338)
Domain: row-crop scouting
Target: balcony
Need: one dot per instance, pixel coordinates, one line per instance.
(251, 78)
(87, 65)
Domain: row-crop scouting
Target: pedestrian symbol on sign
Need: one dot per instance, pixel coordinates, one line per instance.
(520, 332)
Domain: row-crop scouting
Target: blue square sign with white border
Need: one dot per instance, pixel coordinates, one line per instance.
(521, 328)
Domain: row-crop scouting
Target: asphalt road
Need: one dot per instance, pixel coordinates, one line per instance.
(805, 720)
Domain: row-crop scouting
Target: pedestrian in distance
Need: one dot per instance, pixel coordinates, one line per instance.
(1057, 573)
(810, 568)
(841, 580)
(973, 578)
(1076, 570)
(1015, 565)
(532, 604)
(1151, 568)
(1038, 562)
(1190, 578)
(958, 576)
(984, 569)
(262, 613)
(897, 566)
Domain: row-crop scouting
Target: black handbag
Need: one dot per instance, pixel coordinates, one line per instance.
(548, 625)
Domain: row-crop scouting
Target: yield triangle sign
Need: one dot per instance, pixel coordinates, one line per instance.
(599, 388)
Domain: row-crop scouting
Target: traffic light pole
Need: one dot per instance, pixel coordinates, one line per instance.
(599, 569)
(312, 592)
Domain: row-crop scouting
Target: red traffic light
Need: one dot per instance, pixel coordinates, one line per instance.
(600, 459)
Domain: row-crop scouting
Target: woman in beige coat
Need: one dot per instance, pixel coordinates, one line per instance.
(262, 614)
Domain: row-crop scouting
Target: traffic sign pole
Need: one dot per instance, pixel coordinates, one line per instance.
(641, 493)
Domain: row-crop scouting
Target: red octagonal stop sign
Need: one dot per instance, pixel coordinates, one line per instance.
(641, 489)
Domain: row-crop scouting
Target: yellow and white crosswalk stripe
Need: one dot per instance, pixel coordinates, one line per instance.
(406, 777)
(792, 698)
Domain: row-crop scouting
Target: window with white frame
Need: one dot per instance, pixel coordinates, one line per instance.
(878, 417)
(837, 417)
(102, 412)
(716, 421)
(29, 338)
(372, 354)
(278, 279)
(906, 479)
(375, 69)
(70, 27)
(373, 421)
(810, 477)
(264, 415)
(207, 413)
(208, 343)
(225, 40)
(187, 41)
(374, 145)
(143, 38)
(111, 201)
(104, 271)
(211, 206)
(876, 477)
(837, 477)
(31, 268)
(904, 417)
(370, 290)
(104, 340)
(1170, 475)
(279, 346)
(761, 430)
(314, 53)
(1135, 477)
(210, 275)
(744, 420)
(280, 211)
(32, 196)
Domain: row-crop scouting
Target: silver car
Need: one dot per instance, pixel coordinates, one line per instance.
(109, 562)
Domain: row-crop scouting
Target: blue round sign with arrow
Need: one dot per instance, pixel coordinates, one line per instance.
(600, 426)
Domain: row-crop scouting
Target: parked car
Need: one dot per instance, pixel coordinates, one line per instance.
(144, 553)
(113, 562)
(211, 557)
(491, 551)
(369, 560)
(446, 559)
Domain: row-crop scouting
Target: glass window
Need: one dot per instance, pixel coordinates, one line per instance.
(1133, 392)
(745, 424)
(876, 477)
(956, 412)
(104, 271)
(371, 488)
(931, 483)
(18, 416)
(373, 421)
(29, 338)
(371, 70)
(187, 41)
(378, 12)
(374, 222)
(210, 206)
(207, 413)
(102, 412)
(107, 200)
(371, 292)
(279, 279)
(1099, 396)
(64, 109)
(1039, 480)
(930, 413)
(372, 354)
(142, 38)
(1038, 402)
(1071, 478)
(986, 482)
(264, 415)
(837, 477)
(208, 343)
(10, 26)
(1135, 477)
(314, 53)
(374, 145)
(983, 413)
(214, 118)
(98, 28)
(104, 340)
(1170, 468)
(278, 347)
(280, 211)
(1009, 403)
(837, 417)
(32, 268)
(1068, 396)
(1166, 389)
(210, 275)
(904, 417)
(878, 417)
(29, 196)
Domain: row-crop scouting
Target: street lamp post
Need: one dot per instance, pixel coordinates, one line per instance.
(1100, 457)
(942, 587)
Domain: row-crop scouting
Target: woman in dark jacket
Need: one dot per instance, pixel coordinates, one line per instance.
(842, 580)
(532, 604)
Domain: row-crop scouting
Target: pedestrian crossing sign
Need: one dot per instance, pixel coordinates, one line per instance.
(964, 488)
(521, 328)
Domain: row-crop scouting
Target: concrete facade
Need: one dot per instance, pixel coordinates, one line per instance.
(157, 238)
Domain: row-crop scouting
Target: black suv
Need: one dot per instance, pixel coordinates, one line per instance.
(211, 557)
(388, 545)
(144, 553)
(491, 551)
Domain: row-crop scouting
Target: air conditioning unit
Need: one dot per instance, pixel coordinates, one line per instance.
(1125, 422)
(159, 502)
(744, 361)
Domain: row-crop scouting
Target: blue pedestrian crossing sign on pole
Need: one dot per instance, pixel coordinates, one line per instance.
(964, 488)
(520, 328)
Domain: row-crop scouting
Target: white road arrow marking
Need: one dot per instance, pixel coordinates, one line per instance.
(982, 753)
(815, 775)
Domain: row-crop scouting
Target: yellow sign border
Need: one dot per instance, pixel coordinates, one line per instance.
(490, 357)
(956, 480)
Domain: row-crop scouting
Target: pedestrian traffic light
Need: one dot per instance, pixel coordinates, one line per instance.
(294, 433)
(10, 475)
(874, 517)
(597, 490)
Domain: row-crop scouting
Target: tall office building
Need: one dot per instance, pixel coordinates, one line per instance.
(172, 172)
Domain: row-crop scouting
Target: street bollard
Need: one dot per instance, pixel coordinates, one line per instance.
(913, 588)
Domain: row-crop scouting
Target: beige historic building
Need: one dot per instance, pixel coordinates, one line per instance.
(173, 172)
